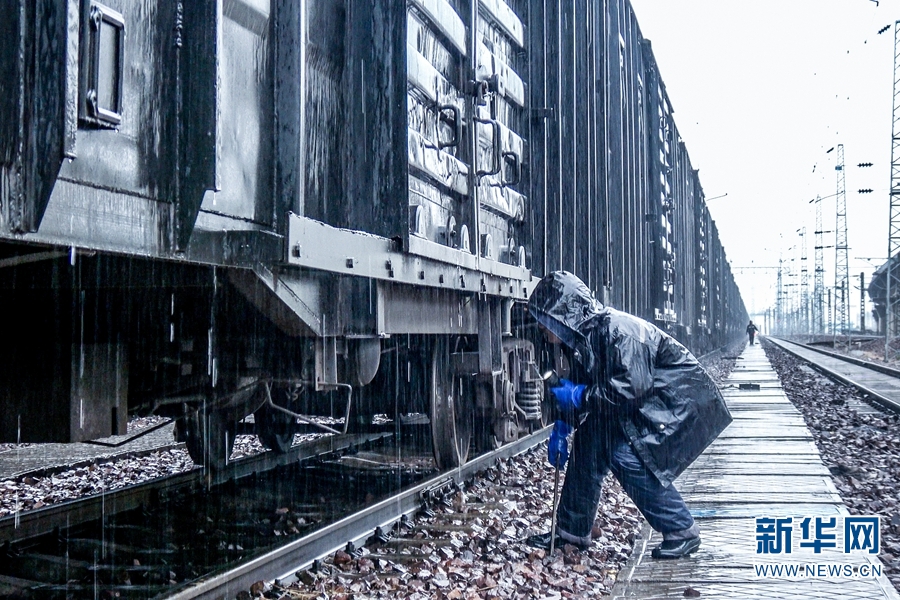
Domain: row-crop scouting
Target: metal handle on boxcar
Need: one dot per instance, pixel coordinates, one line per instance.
(496, 153)
(516, 166)
(457, 125)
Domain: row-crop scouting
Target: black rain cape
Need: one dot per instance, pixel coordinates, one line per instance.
(665, 402)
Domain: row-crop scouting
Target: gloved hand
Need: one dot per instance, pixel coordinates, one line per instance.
(568, 396)
(558, 448)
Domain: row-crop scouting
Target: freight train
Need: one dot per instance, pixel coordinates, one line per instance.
(217, 208)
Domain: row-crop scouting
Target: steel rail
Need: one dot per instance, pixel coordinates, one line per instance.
(850, 359)
(282, 564)
(33, 523)
(878, 398)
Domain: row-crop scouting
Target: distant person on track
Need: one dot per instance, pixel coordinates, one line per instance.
(751, 332)
(641, 406)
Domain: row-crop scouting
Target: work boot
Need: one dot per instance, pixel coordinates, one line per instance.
(676, 548)
(542, 541)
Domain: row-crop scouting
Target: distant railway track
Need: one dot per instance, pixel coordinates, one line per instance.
(197, 535)
(881, 383)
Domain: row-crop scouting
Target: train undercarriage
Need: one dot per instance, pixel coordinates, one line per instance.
(209, 346)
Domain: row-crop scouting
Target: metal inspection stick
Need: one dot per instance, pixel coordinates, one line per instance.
(553, 514)
(551, 379)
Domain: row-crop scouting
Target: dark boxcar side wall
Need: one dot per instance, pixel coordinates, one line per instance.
(663, 159)
(350, 166)
(587, 149)
(137, 157)
(636, 274)
(704, 282)
(39, 122)
(579, 143)
(375, 119)
(559, 230)
(556, 230)
(601, 210)
(685, 249)
(244, 116)
(537, 221)
(566, 146)
(11, 100)
(635, 277)
(614, 195)
(568, 135)
(615, 167)
(689, 252)
(597, 155)
(322, 107)
(589, 253)
(717, 257)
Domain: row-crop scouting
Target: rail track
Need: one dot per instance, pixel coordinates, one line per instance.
(881, 383)
(33, 523)
(856, 437)
(211, 535)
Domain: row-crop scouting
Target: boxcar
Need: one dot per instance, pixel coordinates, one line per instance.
(217, 208)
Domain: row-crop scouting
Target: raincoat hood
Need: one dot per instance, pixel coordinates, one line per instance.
(562, 303)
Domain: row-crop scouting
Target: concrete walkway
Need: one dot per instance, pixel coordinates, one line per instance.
(764, 465)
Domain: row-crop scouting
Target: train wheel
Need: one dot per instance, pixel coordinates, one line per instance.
(274, 429)
(209, 438)
(451, 411)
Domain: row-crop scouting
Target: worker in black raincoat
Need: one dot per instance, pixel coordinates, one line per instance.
(642, 406)
(751, 332)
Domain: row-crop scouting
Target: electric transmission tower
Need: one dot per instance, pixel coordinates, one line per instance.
(892, 303)
(779, 304)
(804, 285)
(841, 267)
(797, 299)
(819, 275)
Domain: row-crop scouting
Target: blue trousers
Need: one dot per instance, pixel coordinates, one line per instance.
(599, 447)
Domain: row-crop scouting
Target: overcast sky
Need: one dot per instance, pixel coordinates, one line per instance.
(761, 90)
